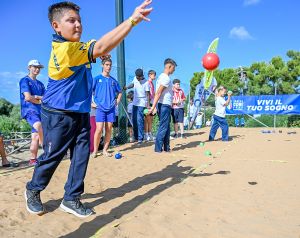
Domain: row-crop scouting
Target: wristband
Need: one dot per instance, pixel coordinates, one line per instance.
(133, 22)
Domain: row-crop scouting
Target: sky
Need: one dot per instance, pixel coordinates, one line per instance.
(249, 31)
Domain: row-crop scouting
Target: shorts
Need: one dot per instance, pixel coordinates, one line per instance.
(116, 122)
(32, 117)
(102, 116)
(178, 115)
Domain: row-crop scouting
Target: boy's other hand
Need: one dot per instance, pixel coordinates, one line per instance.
(141, 12)
(94, 105)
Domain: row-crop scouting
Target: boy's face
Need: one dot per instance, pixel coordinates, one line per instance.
(69, 26)
(106, 67)
(223, 92)
(152, 76)
(139, 78)
(177, 85)
(33, 70)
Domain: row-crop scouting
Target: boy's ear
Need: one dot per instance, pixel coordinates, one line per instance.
(55, 26)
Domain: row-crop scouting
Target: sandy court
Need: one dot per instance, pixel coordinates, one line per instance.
(249, 187)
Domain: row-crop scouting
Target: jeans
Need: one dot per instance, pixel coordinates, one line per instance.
(162, 141)
(219, 122)
(138, 122)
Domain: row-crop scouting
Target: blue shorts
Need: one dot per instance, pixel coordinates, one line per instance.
(178, 115)
(102, 116)
(31, 118)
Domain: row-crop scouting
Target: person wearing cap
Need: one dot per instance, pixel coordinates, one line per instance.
(141, 100)
(163, 99)
(106, 96)
(31, 94)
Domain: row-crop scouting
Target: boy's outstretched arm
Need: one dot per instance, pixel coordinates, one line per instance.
(110, 40)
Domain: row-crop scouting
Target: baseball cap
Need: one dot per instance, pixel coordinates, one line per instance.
(35, 63)
(139, 73)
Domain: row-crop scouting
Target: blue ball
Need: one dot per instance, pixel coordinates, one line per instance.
(118, 155)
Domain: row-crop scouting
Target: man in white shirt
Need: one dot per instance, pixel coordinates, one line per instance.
(141, 99)
(219, 119)
(163, 99)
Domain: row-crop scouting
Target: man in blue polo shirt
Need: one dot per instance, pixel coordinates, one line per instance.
(31, 94)
(107, 95)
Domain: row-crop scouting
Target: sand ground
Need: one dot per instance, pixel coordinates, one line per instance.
(249, 187)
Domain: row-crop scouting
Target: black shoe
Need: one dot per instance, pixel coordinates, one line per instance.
(33, 202)
(76, 208)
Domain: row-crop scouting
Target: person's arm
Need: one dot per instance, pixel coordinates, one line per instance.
(119, 98)
(128, 87)
(32, 99)
(156, 98)
(148, 99)
(110, 40)
(228, 100)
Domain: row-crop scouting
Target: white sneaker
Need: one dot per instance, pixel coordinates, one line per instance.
(131, 140)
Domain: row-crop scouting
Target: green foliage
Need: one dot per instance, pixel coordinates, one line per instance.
(5, 107)
(281, 121)
(262, 76)
(12, 122)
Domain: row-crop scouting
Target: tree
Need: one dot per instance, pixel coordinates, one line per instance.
(5, 107)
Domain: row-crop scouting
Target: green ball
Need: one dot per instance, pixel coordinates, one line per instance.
(145, 111)
(201, 144)
(207, 153)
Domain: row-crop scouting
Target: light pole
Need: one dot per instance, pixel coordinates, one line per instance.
(121, 71)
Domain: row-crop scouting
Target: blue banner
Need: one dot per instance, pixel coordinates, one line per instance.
(264, 104)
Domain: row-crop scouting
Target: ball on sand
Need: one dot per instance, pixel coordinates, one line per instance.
(118, 155)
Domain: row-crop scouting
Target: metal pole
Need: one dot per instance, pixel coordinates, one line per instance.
(275, 114)
(121, 72)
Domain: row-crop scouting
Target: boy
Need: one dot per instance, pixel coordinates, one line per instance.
(149, 118)
(31, 94)
(141, 99)
(178, 108)
(107, 95)
(199, 120)
(67, 102)
(164, 98)
(219, 119)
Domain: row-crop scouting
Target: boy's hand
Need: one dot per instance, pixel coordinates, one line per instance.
(141, 12)
(94, 105)
(107, 56)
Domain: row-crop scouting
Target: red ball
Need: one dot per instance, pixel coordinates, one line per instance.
(210, 61)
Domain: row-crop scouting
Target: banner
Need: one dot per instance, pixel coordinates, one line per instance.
(264, 104)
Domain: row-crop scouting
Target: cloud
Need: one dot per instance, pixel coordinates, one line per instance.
(251, 2)
(240, 33)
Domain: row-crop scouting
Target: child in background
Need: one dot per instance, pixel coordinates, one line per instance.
(219, 115)
(199, 120)
(178, 108)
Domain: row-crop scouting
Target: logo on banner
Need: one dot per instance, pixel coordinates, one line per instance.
(238, 105)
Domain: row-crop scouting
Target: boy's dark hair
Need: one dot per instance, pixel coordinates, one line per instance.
(170, 61)
(106, 60)
(151, 71)
(176, 81)
(55, 11)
